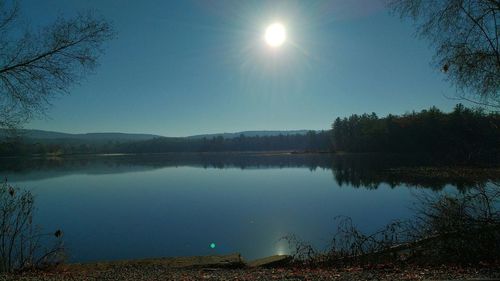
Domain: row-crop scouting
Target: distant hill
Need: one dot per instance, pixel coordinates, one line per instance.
(50, 136)
(90, 137)
(251, 134)
(37, 142)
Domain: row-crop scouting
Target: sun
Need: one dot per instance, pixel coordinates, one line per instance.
(275, 35)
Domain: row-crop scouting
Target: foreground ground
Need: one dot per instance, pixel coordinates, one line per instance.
(159, 272)
(233, 267)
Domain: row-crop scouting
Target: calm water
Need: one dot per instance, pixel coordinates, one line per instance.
(124, 207)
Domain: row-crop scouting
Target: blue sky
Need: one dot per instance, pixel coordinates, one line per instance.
(189, 67)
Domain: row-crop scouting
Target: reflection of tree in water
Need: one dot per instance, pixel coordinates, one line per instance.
(357, 170)
(370, 171)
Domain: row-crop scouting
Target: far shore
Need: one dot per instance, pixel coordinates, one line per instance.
(262, 153)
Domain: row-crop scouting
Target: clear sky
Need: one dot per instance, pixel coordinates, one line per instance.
(190, 67)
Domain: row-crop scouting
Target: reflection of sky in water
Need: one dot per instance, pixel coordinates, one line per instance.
(180, 211)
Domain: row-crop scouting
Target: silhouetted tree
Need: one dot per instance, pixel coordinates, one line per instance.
(21, 242)
(312, 141)
(466, 36)
(463, 135)
(35, 66)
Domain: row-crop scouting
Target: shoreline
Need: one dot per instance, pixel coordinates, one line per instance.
(232, 267)
(260, 153)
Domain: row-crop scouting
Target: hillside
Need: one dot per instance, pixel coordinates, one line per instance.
(49, 136)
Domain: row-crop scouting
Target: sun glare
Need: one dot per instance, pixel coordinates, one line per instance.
(275, 35)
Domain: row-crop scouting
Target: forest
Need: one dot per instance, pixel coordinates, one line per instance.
(463, 134)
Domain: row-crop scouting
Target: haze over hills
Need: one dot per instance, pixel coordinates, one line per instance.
(37, 142)
(50, 136)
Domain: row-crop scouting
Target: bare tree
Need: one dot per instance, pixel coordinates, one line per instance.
(36, 66)
(22, 244)
(466, 36)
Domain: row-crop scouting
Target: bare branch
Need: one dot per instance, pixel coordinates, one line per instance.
(465, 34)
(37, 66)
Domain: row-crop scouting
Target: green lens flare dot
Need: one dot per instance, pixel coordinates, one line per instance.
(212, 245)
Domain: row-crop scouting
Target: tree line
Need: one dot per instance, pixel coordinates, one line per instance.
(463, 134)
(310, 142)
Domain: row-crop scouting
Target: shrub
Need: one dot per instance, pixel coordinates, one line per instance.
(459, 228)
(22, 244)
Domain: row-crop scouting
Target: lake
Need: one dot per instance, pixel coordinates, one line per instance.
(127, 207)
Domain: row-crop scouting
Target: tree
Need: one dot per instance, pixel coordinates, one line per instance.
(22, 244)
(36, 66)
(462, 135)
(466, 36)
